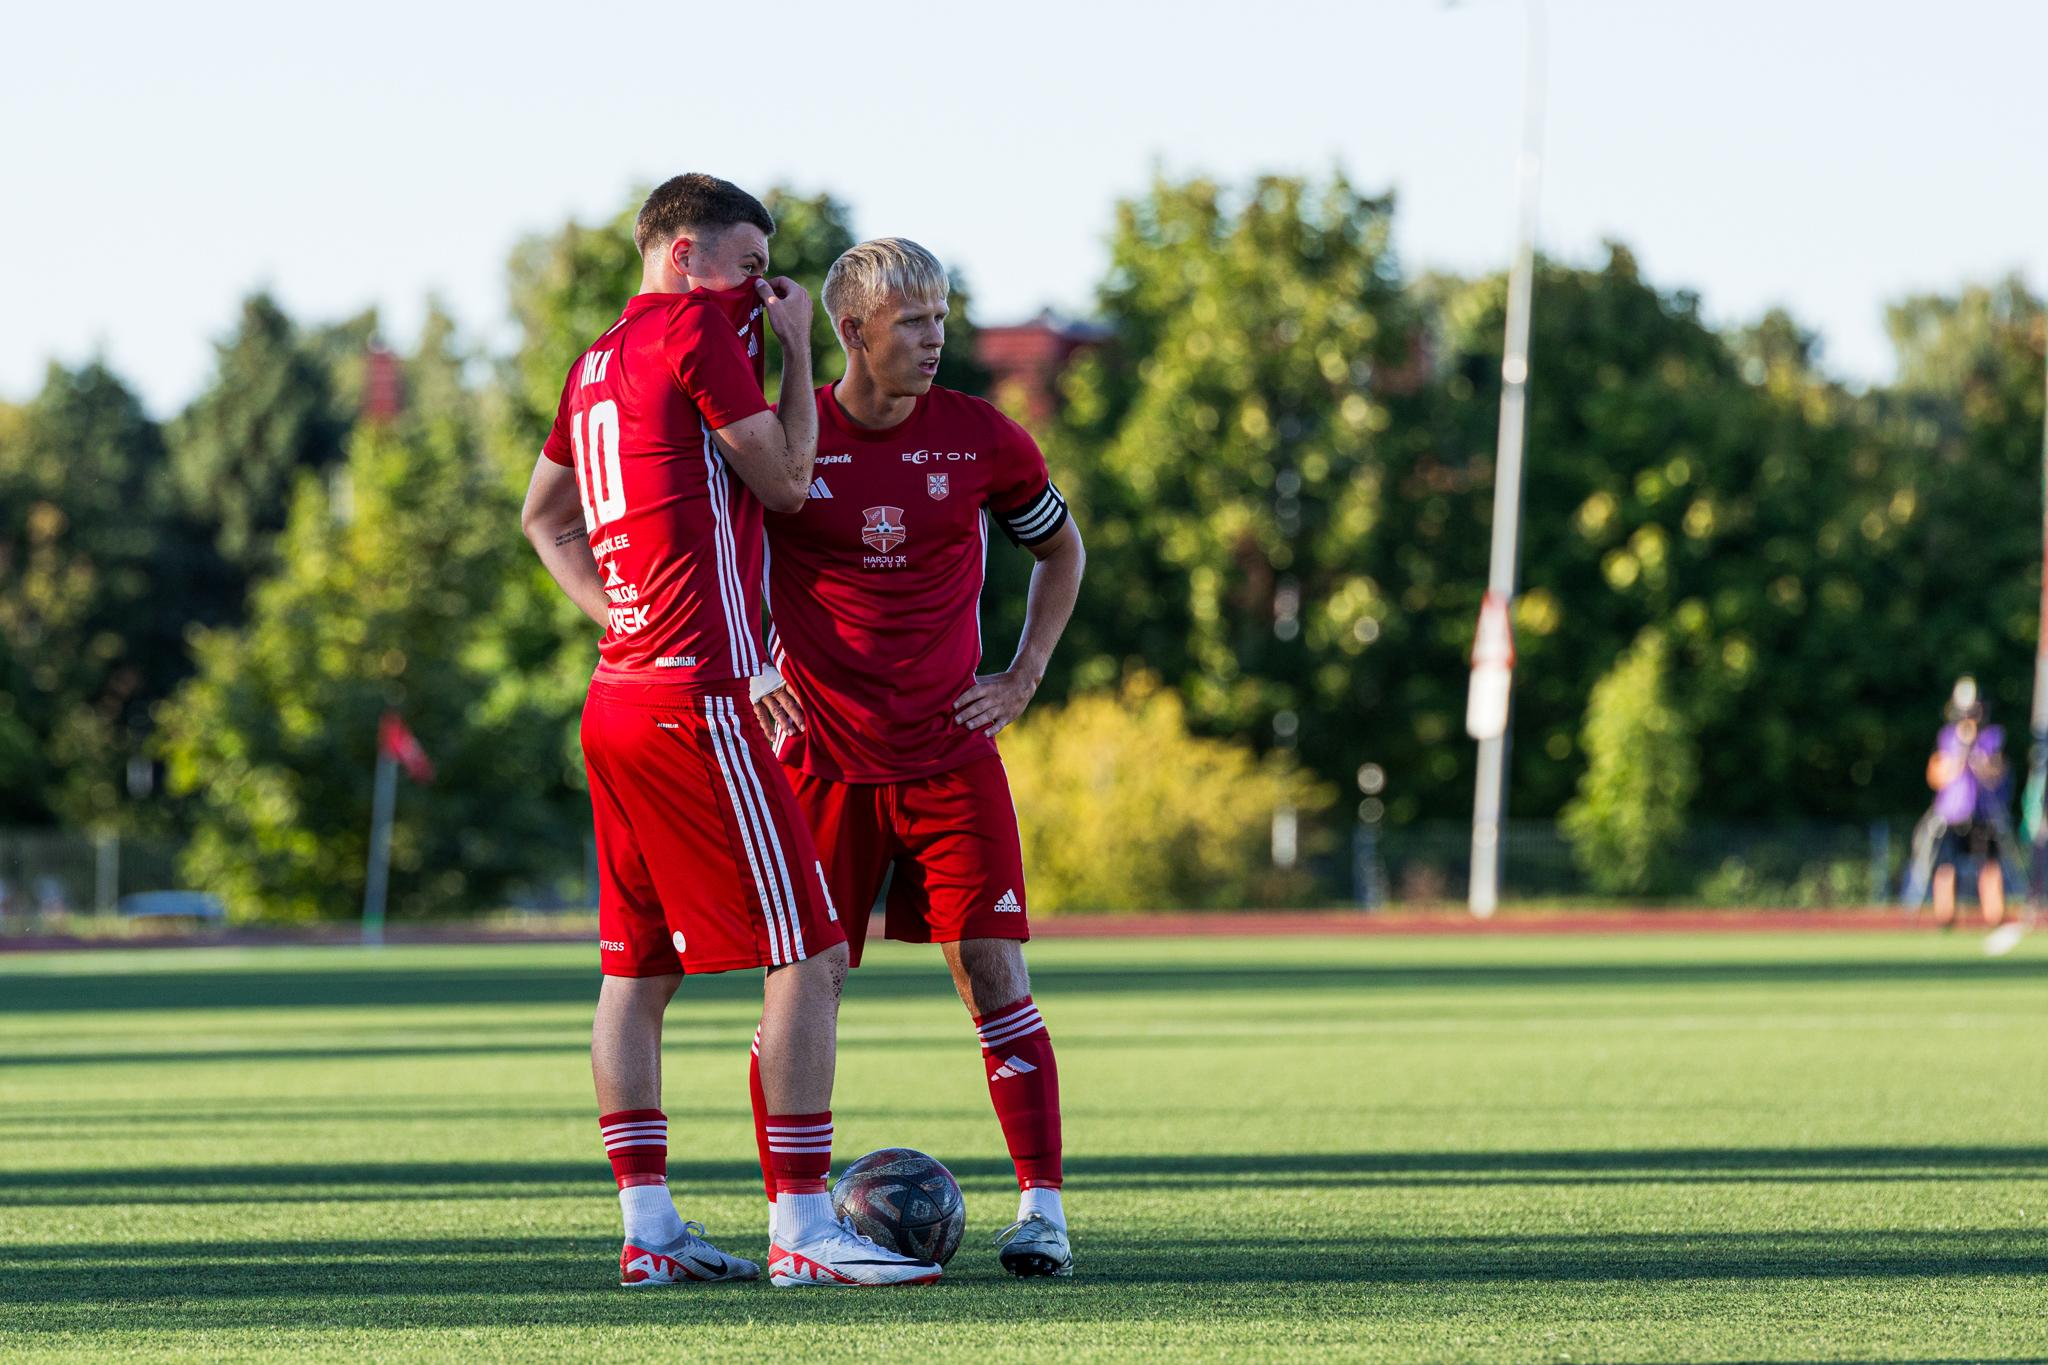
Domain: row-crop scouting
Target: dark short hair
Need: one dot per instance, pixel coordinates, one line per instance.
(698, 204)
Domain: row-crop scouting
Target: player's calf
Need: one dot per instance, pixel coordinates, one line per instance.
(1024, 1086)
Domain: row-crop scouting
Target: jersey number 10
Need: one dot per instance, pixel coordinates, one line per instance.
(597, 464)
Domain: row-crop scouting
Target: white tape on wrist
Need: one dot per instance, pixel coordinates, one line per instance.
(766, 681)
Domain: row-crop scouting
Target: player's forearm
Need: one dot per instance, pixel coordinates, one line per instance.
(798, 414)
(565, 552)
(1055, 587)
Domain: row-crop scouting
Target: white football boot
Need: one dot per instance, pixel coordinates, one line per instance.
(843, 1256)
(1035, 1245)
(689, 1259)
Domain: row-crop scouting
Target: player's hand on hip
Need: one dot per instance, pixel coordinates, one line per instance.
(788, 306)
(994, 701)
(780, 712)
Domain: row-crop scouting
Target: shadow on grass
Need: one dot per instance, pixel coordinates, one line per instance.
(314, 987)
(436, 1282)
(373, 1181)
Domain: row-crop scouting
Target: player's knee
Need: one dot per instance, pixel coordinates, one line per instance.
(821, 971)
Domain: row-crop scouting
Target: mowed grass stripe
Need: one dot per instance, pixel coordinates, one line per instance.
(1764, 1148)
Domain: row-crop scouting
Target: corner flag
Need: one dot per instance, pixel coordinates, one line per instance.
(395, 741)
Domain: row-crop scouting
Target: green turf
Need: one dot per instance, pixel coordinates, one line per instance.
(1799, 1147)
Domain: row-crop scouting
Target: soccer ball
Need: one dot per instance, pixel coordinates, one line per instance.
(906, 1201)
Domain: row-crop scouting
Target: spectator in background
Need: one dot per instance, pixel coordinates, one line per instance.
(1971, 782)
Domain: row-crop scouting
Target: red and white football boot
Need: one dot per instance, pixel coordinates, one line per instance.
(689, 1259)
(843, 1256)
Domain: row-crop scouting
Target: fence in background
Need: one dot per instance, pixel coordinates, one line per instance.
(49, 878)
(1750, 865)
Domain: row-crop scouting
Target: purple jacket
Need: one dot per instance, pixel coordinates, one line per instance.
(1966, 799)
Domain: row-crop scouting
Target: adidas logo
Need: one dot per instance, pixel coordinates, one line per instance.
(1008, 904)
(1014, 1066)
(818, 489)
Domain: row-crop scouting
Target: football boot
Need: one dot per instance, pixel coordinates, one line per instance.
(843, 1256)
(1035, 1245)
(689, 1259)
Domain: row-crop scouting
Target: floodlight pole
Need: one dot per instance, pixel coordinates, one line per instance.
(2034, 817)
(1487, 711)
(383, 803)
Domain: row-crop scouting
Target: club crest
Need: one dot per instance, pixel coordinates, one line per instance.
(884, 529)
(936, 485)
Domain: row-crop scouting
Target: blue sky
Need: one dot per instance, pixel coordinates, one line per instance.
(161, 161)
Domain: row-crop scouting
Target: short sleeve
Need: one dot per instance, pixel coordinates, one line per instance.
(558, 447)
(709, 363)
(1023, 499)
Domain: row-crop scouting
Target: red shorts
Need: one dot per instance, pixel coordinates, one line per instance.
(952, 838)
(703, 860)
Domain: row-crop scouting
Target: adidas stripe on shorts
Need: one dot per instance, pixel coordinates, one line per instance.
(704, 862)
(951, 839)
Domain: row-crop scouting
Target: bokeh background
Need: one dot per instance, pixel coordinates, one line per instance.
(288, 298)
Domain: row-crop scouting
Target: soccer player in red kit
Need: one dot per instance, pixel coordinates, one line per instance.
(874, 592)
(646, 508)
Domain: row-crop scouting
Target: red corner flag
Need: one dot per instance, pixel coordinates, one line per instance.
(394, 741)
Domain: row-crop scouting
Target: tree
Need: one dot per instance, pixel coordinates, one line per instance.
(1641, 771)
(402, 604)
(1962, 433)
(270, 412)
(99, 574)
(1227, 456)
(1726, 499)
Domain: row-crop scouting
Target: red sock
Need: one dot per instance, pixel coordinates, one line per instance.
(637, 1142)
(1024, 1082)
(799, 1151)
(760, 1098)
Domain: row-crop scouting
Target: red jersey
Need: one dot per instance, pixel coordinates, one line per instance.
(676, 532)
(875, 585)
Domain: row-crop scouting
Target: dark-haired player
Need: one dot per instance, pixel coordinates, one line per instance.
(646, 507)
(874, 587)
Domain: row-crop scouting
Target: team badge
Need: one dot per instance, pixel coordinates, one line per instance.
(884, 529)
(936, 485)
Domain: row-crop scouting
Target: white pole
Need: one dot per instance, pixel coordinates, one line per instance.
(378, 880)
(106, 891)
(1492, 728)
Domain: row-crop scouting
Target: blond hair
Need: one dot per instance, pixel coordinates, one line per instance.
(861, 279)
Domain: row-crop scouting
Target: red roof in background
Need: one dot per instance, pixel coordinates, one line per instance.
(383, 386)
(1026, 360)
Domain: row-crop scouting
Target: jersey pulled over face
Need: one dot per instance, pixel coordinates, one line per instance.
(675, 532)
(875, 585)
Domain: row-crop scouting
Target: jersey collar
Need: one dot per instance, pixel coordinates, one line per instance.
(853, 430)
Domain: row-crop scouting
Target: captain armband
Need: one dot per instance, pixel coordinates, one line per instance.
(1036, 521)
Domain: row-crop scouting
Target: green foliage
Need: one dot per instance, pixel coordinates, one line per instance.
(271, 412)
(1820, 564)
(419, 598)
(1226, 460)
(99, 574)
(1641, 771)
(1121, 809)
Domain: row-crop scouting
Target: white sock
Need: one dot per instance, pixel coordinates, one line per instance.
(802, 1218)
(651, 1217)
(771, 1223)
(1042, 1199)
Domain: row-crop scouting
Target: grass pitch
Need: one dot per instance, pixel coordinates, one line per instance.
(1801, 1147)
